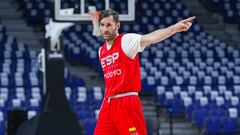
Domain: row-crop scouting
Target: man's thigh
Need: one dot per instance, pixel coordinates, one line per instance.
(105, 125)
(128, 116)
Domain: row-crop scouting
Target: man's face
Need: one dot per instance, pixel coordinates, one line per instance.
(109, 28)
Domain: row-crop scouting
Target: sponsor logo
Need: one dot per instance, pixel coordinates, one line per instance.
(113, 73)
(110, 59)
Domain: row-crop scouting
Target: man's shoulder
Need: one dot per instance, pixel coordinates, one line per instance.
(131, 35)
(101, 48)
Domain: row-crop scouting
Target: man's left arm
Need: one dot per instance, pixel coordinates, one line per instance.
(161, 34)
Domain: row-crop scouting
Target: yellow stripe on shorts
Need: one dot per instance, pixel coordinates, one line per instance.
(132, 129)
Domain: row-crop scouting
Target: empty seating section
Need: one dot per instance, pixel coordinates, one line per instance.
(86, 103)
(20, 85)
(38, 11)
(230, 9)
(192, 73)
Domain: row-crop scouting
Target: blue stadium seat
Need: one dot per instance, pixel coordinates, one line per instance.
(229, 14)
(149, 84)
(220, 102)
(191, 89)
(68, 92)
(229, 126)
(96, 97)
(75, 54)
(34, 105)
(3, 104)
(212, 125)
(89, 125)
(160, 94)
(2, 127)
(218, 112)
(83, 114)
(198, 116)
(176, 107)
(233, 112)
(77, 82)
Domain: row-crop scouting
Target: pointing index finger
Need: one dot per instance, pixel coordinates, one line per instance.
(189, 19)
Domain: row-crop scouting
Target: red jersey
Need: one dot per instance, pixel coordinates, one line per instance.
(121, 73)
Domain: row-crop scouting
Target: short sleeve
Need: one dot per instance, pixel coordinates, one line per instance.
(131, 44)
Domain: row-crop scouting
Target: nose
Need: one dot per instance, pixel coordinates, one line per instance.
(105, 29)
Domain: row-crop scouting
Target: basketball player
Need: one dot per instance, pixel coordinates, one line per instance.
(121, 111)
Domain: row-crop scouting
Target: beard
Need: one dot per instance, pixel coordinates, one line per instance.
(110, 36)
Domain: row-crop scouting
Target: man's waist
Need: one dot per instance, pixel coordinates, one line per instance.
(122, 95)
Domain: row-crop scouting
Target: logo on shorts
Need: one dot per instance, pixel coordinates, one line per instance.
(132, 131)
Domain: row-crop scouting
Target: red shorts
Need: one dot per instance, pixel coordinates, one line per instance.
(121, 116)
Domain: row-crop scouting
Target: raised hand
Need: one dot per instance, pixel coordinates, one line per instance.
(183, 25)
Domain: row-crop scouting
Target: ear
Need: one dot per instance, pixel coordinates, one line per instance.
(118, 25)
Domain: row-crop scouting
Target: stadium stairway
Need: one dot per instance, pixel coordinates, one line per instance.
(157, 120)
(16, 26)
(149, 106)
(213, 23)
(150, 113)
(180, 127)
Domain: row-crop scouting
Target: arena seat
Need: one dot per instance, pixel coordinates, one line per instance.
(212, 125)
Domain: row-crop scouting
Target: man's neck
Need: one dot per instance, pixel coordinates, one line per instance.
(110, 42)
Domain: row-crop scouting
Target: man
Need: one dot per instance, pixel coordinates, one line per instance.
(121, 111)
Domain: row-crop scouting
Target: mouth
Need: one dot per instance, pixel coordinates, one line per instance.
(105, 35)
